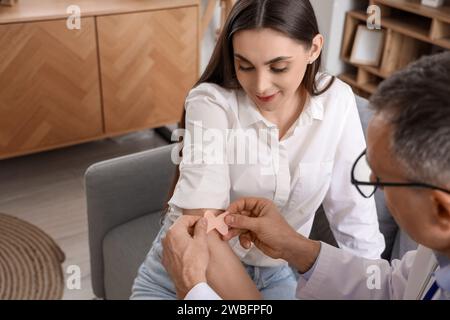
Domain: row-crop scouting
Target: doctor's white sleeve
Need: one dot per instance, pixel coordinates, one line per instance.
(353, 218)
(202, 291)
(338, 274)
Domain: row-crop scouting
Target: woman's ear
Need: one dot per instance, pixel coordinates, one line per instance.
(316, 48)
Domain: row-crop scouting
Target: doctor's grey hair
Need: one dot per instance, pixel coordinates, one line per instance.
(416, 101)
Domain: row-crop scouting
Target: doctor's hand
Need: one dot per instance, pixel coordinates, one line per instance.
(258, 220)
(185, 253)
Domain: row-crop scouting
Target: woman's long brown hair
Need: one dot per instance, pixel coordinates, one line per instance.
(294, 18)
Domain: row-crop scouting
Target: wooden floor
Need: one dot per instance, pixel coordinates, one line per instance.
(47, 189)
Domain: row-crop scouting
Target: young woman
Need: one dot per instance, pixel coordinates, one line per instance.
(263, 79)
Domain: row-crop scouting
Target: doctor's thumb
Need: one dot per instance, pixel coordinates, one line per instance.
(200, 228)
(242, 222)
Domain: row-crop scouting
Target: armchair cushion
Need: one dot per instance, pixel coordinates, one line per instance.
(124, 250)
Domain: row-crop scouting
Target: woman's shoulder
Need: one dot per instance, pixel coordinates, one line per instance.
(338, 97)
(211, 101)
(338, 88)
(212, 91)
(338, 100)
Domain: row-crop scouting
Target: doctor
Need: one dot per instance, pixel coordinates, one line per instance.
(408, 156)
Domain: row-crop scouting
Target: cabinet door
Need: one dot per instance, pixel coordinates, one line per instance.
(49, 86)
(148, 64)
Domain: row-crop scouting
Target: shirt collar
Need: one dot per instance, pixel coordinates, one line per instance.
(313, 110)
(442, 274)
(249, 113)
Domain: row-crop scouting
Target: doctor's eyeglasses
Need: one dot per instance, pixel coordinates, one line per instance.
(361, 179)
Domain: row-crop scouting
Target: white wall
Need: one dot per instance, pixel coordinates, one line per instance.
(331, 17)
(208, 42)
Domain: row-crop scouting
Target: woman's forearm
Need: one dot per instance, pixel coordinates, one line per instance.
(226, 274)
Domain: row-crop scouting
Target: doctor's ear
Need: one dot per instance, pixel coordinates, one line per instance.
(316, 48)
(441, 202)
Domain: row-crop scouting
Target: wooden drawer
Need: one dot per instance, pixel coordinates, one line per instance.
(148, 64)
(49, 85)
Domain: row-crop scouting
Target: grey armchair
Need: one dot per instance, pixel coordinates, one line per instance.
(126, 197)
(125, 201)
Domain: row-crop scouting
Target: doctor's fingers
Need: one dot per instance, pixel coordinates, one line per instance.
(243, 222)
(233, 232)
(246, 239)
(200, 230)
(252, 205)
(182, 229)
(184, 223)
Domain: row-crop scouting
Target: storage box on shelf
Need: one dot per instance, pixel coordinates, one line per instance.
(412, 30)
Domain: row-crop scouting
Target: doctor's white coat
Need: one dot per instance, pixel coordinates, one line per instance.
(340, 275)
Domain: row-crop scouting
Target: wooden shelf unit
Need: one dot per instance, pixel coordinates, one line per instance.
(412, 30)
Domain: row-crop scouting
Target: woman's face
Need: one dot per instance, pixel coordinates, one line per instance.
(270, 66)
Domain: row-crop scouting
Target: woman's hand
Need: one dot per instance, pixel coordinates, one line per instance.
(185, 253)
(259, 221)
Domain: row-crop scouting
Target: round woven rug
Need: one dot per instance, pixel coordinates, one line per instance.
(30, 262)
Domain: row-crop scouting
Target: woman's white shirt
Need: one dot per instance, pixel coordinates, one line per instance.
(310, 166)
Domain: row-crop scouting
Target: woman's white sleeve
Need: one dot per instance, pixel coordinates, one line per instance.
(204, 181)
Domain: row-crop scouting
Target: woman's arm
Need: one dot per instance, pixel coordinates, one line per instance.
(225, 273)
(206, 184)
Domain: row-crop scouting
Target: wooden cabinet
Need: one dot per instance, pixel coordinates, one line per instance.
(148, 64)
(49, 88)
(129, 67)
